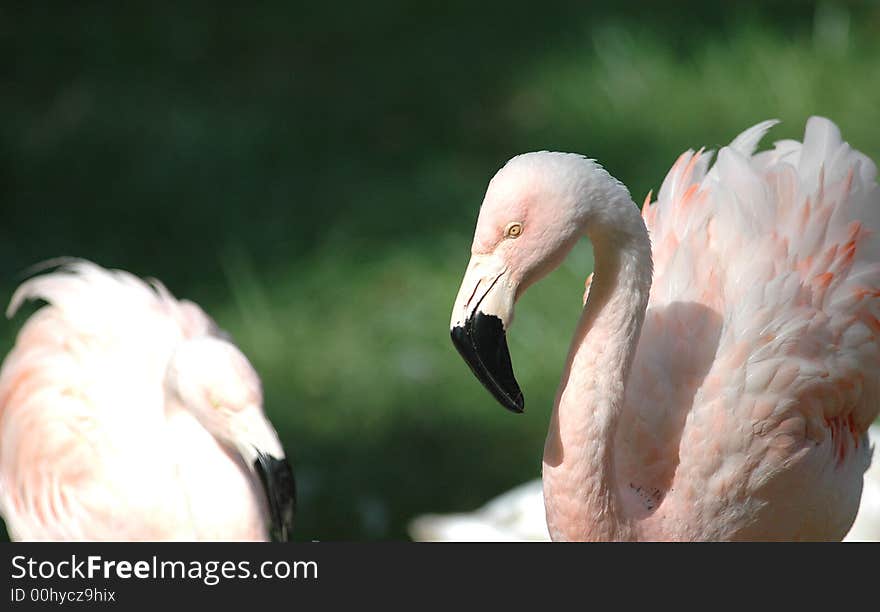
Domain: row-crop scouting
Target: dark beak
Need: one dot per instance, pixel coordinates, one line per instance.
(276, 477)
(482, 342)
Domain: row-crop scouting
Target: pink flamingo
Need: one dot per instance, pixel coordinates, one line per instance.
(126, 414)
(730, 398)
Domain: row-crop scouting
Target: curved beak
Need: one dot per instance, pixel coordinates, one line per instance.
(481, 315)
(261, 451)
(276, 477)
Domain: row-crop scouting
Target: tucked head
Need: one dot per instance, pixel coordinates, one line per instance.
(217, 384)
(535, 209)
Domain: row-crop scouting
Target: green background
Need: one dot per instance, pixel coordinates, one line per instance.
(311, 173)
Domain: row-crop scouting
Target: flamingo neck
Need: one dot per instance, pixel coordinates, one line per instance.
(579, 477)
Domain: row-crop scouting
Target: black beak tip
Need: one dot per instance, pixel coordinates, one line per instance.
(482, 343)
(278, 482)
(516, 404)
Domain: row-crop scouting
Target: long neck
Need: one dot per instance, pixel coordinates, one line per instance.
(579, 476)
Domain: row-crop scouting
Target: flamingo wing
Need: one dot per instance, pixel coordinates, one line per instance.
(755, 381)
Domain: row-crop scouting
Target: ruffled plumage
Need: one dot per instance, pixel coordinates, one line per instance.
(756, 371)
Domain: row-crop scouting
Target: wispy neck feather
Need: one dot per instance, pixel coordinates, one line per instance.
(579, 487)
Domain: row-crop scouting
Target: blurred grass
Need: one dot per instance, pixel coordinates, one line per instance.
(311, 175)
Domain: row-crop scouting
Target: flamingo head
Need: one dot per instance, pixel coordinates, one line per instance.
(216, 382)
(534, 211)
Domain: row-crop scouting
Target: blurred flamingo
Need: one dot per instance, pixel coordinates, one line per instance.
(514, 516)
(727, 395)
(126, 414)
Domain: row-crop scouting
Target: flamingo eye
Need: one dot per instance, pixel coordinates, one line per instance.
(215, 401)
(513, 230)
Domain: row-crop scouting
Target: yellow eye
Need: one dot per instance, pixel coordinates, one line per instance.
(513, 230)
(215, 402)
